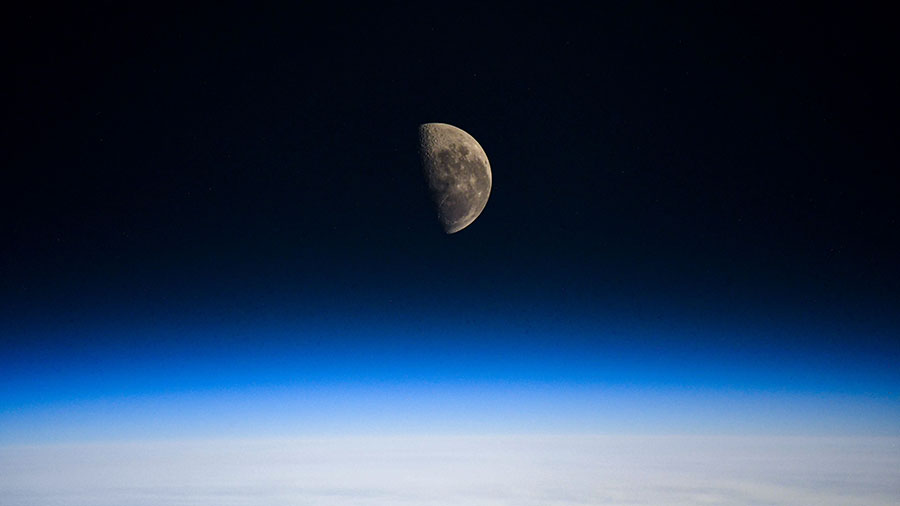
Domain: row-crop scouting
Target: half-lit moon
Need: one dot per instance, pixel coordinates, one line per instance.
(457, 172)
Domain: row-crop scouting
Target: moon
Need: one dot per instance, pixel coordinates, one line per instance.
(457, 172)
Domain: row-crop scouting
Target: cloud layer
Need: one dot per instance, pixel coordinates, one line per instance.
(520, 470)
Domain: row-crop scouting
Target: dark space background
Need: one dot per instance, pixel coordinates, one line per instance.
(691, 197)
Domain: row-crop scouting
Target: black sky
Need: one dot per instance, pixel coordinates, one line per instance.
(721, 158)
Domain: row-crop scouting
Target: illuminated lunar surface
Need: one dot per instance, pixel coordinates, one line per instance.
(457, 172)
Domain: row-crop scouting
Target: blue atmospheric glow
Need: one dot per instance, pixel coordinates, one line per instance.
(412, 374)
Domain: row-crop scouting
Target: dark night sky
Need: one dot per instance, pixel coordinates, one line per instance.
(709, 168)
